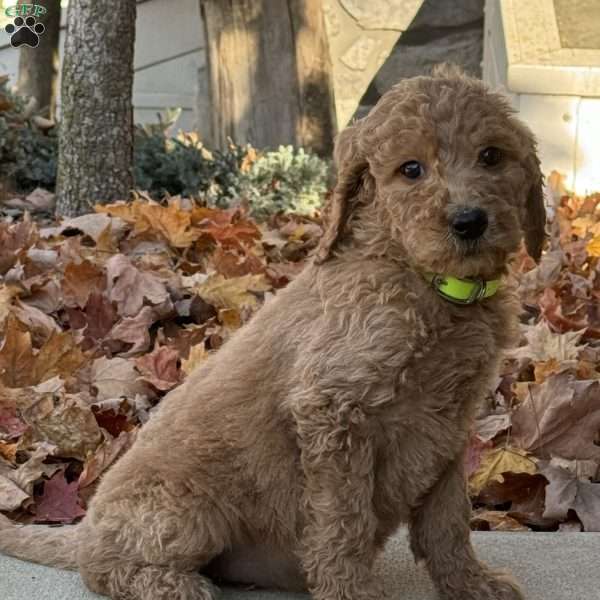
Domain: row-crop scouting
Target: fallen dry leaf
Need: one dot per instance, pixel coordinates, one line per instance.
(7, 294)
(39, 324)
(497, 462)
(104, 456)
(495, 520)
(11, 495)
(16, 485)
(566, 491)
(487, 428)
(171, 222)
(543, 275)
(475, 450)
(160, 368)
(8, 451)
(543, 344)
(129, 287)
(15, 240)
(235, 293)
(116, 377)
(16, 355)
(39, 200)
(59, 356)
(93, 225)
(135, 331)
(198, 355)
(593, 246)
(66, 422)
(80, 281)
(59, 502)
(11, 426)
(98, 318)
(561, 417)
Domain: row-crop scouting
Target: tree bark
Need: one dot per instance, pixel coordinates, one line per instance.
(95, 162)
(38, 67)
(269, 74)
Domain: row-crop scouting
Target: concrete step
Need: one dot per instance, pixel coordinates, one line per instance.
(550, 566)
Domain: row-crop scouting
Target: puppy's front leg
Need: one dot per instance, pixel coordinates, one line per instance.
(440, 535)
(337, 545)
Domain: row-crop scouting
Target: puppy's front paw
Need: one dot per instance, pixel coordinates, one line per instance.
(364, 589)
(490, 586)
(504, 587)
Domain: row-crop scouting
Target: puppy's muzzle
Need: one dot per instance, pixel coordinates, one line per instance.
(469, 223)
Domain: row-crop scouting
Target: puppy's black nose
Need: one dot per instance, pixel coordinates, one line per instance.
(470, 223)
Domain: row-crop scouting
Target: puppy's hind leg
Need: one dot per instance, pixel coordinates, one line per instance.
(152, 549)
(151, 582)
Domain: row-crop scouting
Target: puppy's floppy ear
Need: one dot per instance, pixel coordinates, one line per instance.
(351, 166)
(535, 212)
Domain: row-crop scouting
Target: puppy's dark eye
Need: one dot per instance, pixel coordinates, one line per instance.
(490, 156)
(411, 169)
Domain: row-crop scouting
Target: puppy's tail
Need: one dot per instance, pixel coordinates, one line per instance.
(51, 546)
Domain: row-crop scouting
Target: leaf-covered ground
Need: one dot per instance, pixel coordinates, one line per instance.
(103, 314)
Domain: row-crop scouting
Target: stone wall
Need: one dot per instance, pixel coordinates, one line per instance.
(442, 31)
(362, 33)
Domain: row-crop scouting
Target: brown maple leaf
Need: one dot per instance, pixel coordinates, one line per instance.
(129, 287)
(16, 485)
(80, 281)
(170, 222)
(116, 377)
(16, 355)
(15, 239)
(568, 491)
(104, 456)
(135, 331)
(560, 417)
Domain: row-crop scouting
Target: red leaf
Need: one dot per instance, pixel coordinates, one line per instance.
(10, 424)
(112, 421)
(59, 502)
(160, 368)
(475, 449)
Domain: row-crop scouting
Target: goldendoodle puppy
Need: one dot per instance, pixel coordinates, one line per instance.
(342, 409)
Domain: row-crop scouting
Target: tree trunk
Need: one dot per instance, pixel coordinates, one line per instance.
(269, 74)
(38, 67)
(95, 162)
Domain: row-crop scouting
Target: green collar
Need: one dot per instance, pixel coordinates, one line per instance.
(462, 291)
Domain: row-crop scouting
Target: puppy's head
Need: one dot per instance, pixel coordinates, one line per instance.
(441, 173)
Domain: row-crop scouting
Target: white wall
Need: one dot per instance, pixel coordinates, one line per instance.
(566, 123)
(169, 50)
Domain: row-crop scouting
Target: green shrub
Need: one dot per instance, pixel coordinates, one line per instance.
(183, 166)
(284, 180)
(27, 154)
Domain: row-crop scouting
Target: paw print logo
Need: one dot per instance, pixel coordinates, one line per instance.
(25, 32)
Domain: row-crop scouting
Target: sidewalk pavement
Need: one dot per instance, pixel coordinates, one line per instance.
(550, 566)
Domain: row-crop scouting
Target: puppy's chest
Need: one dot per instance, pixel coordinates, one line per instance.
(424, 428)
(407, 466)
(444, 365)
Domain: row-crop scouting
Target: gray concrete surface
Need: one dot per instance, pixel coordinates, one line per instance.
(550, 566)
